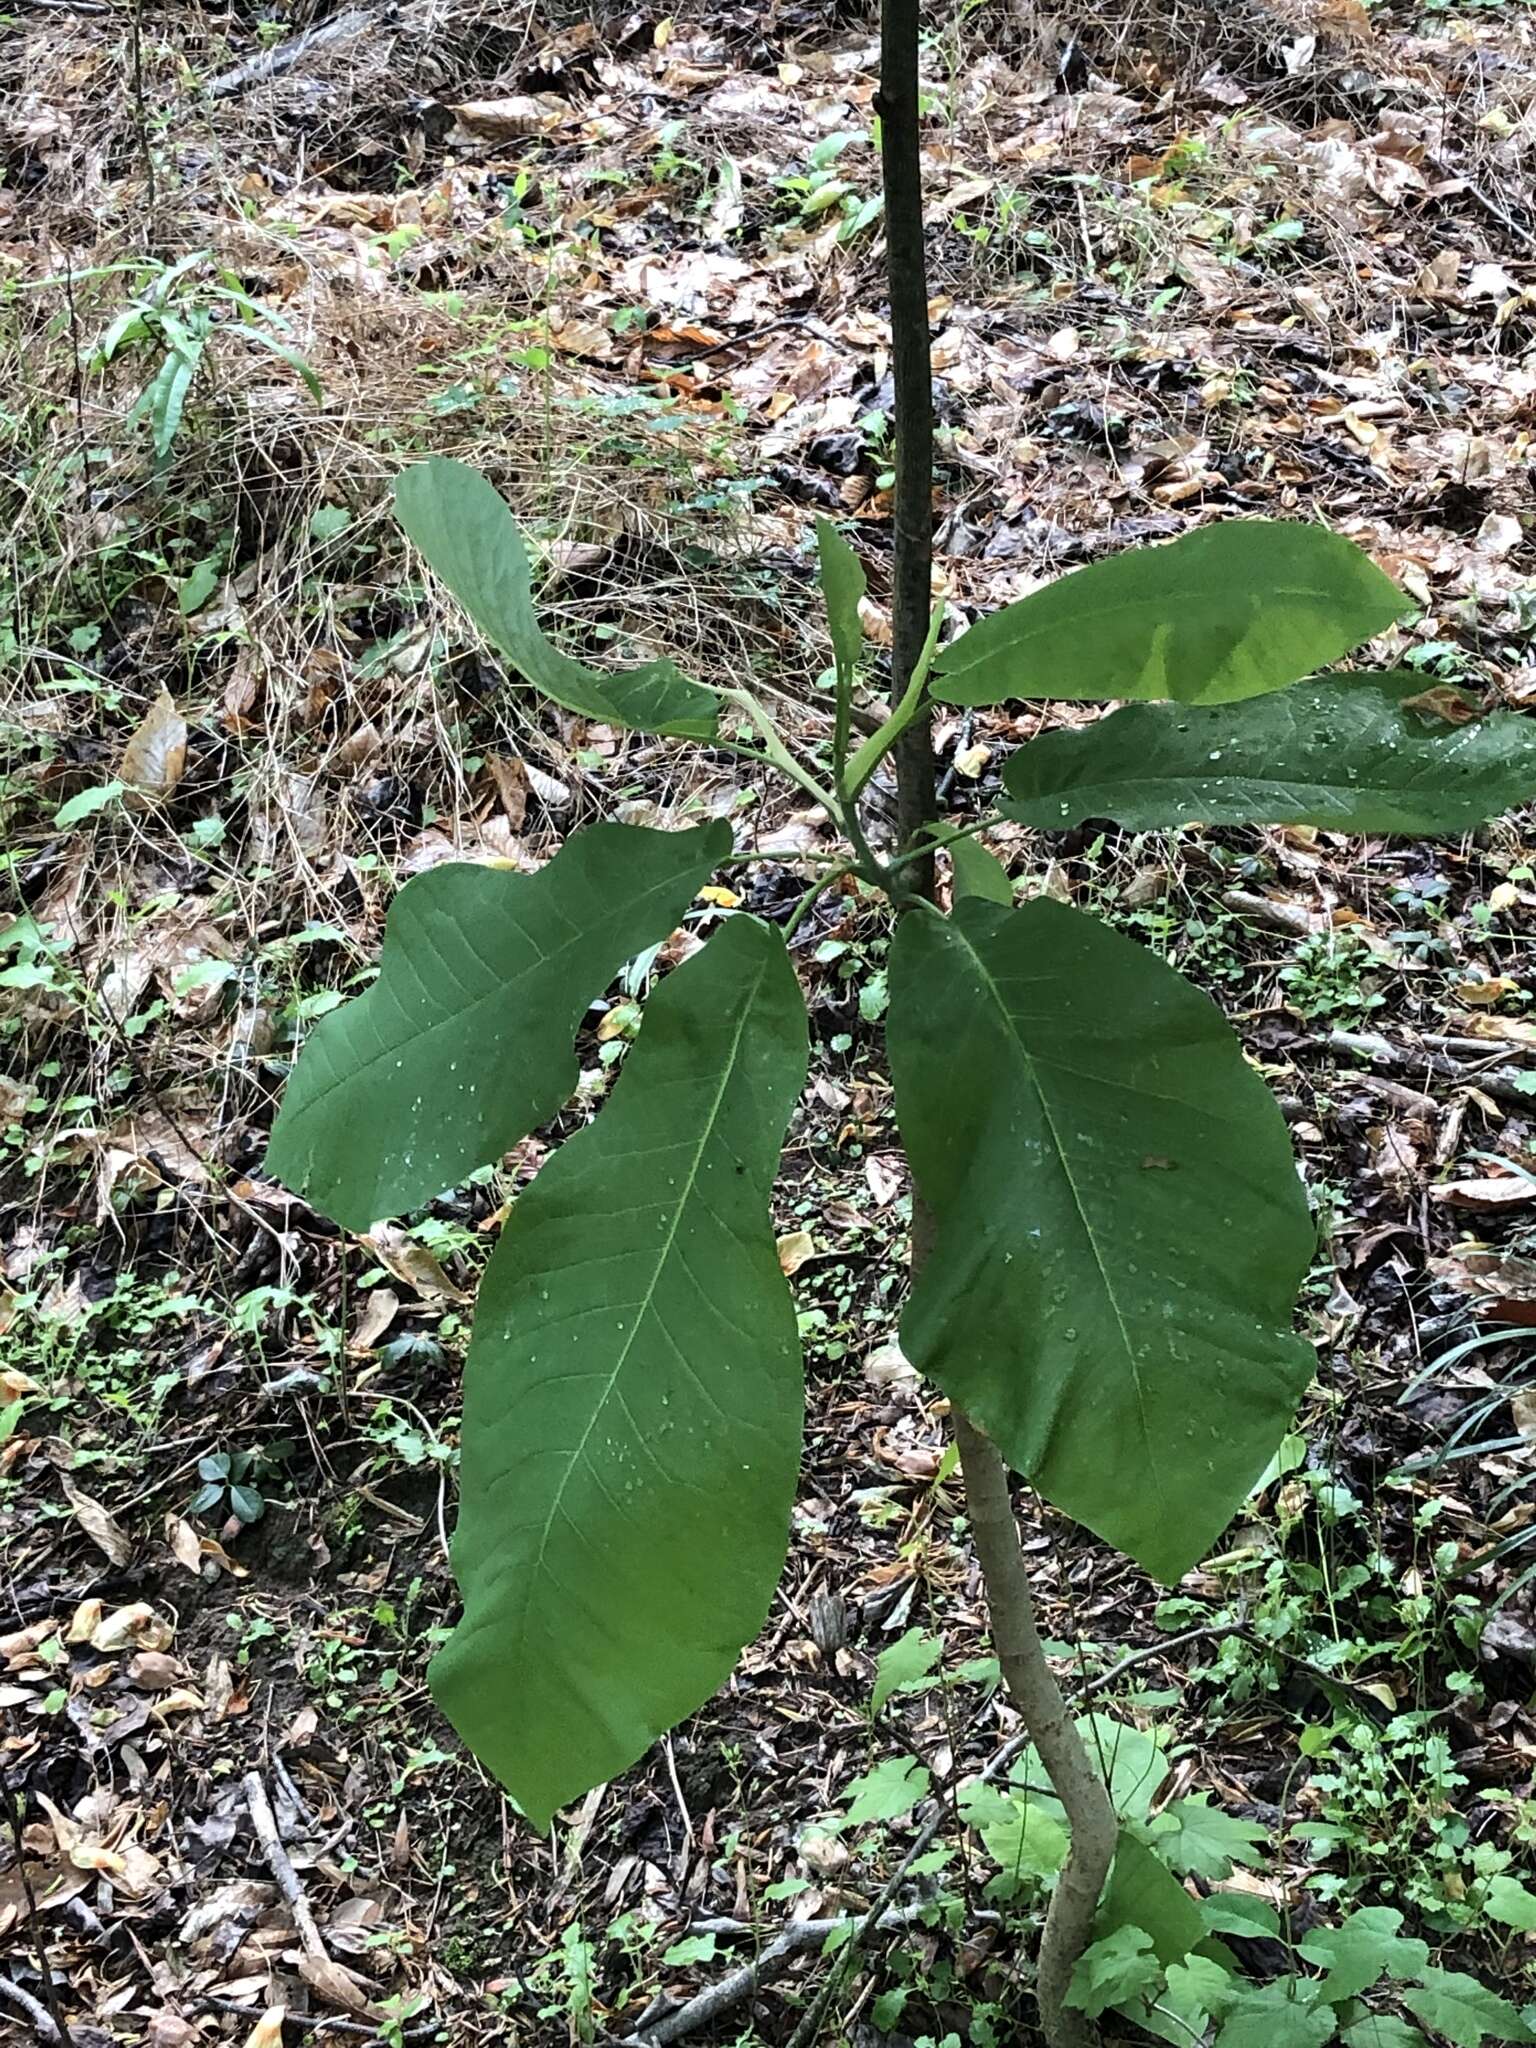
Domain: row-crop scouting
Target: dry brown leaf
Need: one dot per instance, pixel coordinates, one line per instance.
(794, 1249)
(1450, 707)
(506, 120)
(511, 779)
(170, 2030)
(15, 1385)
(1495, 1191)
(411, 1263)
(85, 1621)
(182, 1540)
(336, 1984)
(154, 1671)
(93, 1518)
(155, 757)
(136, 1627)
(380, 1307)
(268, 2030)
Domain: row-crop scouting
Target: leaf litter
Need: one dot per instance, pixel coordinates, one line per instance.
(1281, 260)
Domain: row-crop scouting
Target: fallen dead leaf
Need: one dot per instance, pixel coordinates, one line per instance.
(509, 119)
(794, 1249)
(154, 1671)
(380, 1307)
(182, 1540)
(93, 1518)
(336, 1984)
(268, 2030)
(411, 1263)
(155, 758)
(1450, 707)
(136, 1627)
(1494, 1191)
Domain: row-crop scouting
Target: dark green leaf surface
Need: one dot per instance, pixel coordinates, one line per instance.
(462, 526)
(1120, 1229)
(1142, 1892)
(979, 872)
(463, 1044)
(1230, 611)
(633, 1399)
(843, 583)
(1337, 751)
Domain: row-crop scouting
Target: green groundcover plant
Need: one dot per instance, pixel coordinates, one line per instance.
(1118, 1229)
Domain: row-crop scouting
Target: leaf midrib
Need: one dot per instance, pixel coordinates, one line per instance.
(643, 1310)
(1030, 1063)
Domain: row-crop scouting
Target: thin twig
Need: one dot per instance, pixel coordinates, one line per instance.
(55, 2013)
(275, 1856)
(715, 1999)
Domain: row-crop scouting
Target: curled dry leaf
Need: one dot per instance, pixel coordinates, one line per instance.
(380, 1307)
(268, 2030)
(93, 1518)
(155, 757)
(411, 1263)
(182, 1541)
(136, 1627)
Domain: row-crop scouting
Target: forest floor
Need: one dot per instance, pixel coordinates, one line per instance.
(1186, 263)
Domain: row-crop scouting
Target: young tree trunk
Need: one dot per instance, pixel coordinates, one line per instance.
(1031, 1684)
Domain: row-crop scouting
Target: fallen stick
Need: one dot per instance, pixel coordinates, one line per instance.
(273, 63)
(1504, 1084)
(708, 2005)
(731, 1990)
(276, 1858)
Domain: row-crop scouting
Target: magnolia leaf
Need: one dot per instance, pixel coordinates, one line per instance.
(1199, 1840)
(1230, 611)
(1278, 2015)
(1344, 752)
(842, 586)
(1240, 1913)
(888, 1792)
(464, 1043)
(1119, 1229)
(1466, 2012)
(633, 1398)
(1361, 1950)
(979, 872)
(1142, 1892)
(462, 526)
(1113, 1969)
(905, 1663)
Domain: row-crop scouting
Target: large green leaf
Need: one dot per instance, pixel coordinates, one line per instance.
(461, 524)
(1229, 611)
(1339, 751)
(1142, 1892)
(1120, 1231)
(633, 1397)
(463, 1044)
